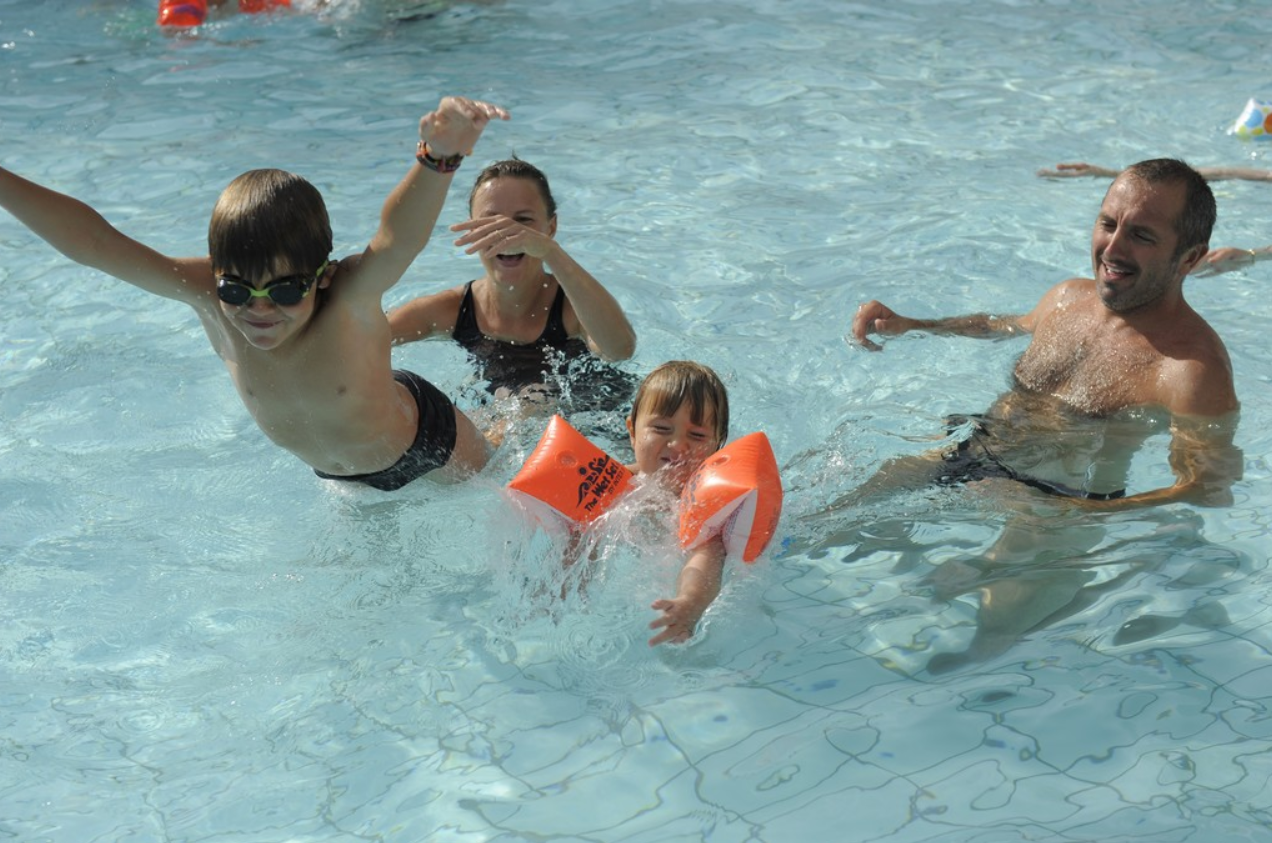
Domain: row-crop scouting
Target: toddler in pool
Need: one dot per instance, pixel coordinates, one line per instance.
(680, 416)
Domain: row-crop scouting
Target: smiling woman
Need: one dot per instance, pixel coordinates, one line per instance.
(534, 301)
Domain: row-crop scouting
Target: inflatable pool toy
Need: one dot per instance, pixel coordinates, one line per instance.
(182, 12)
(567, 477)
(736, 494)
(195, 12)
(253, 7)
(1255, 123)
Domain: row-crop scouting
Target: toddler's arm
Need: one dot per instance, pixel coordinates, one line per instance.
(697, 586)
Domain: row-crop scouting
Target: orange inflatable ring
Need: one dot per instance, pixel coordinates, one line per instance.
(195, 12)
(568, 477)
(736, 494)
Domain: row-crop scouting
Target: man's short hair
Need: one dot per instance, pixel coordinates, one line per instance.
(1197, 220)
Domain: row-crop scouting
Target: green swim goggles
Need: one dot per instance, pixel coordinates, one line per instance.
(288, 291)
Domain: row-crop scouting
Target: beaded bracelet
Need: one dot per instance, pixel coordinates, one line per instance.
(448, 164)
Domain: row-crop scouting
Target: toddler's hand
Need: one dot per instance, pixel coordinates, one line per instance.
(678, 620)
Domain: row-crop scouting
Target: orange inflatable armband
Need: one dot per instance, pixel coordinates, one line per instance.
(195, 12)
(182, 12)
(736, 494)
(569, 476)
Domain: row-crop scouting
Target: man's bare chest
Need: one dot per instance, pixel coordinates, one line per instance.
(1095, 374)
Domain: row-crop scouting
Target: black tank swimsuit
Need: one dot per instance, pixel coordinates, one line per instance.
(509, 365)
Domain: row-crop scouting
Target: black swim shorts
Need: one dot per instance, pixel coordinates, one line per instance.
(961, 465)
(434, 438)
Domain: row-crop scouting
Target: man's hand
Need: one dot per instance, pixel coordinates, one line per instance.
(876, 318)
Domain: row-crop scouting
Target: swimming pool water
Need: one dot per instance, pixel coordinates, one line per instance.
(202, 641)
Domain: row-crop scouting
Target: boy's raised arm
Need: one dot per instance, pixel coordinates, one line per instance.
(411, 211)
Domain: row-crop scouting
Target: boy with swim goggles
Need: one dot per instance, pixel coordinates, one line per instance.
(284, 292)
(313, 370)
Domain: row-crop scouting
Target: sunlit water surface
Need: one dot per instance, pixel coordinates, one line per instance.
(202, 641)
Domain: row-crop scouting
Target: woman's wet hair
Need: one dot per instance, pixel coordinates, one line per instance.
(265, 218)
(515, 168)
(673, 384)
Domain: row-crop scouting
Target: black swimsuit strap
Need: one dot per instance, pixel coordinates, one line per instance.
(554, 333)
(467, 332)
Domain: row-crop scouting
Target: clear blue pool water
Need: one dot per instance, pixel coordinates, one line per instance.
(203, 642)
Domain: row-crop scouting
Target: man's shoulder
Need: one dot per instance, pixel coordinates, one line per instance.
(1199, 387)
(1074, 288)
(1186, 334)
(1069, 293)
(1201, 345)
(1196, 369)
(1073, 298)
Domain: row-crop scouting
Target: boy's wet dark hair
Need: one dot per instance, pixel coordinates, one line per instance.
(265, 217)
(515, 168)
(672, 384)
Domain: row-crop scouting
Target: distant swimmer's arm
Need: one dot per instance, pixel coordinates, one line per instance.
(1078, 170)
(877, 318)
(1227, 259)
